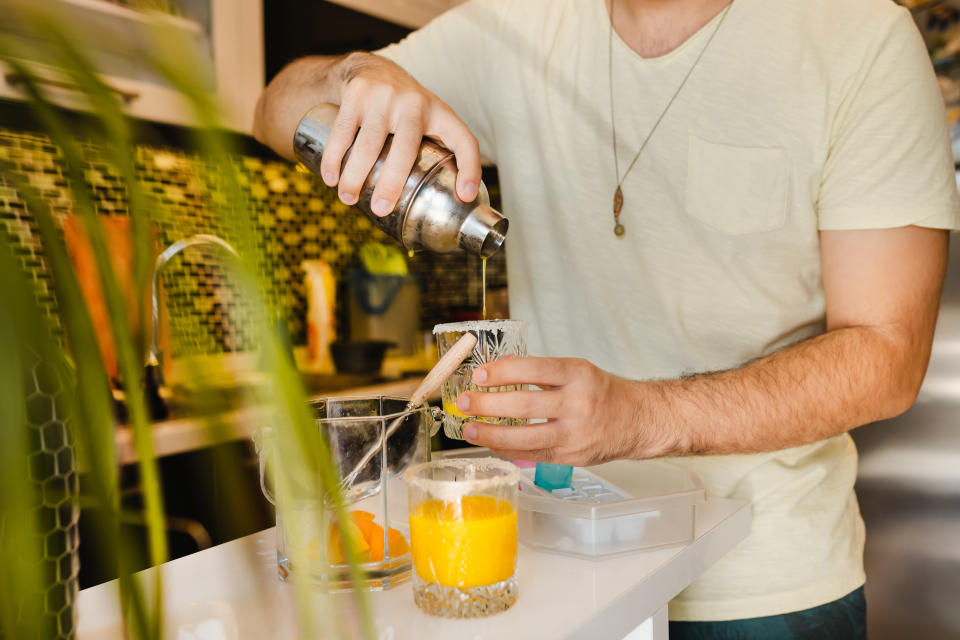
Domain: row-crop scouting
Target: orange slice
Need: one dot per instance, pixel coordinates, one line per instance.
(335, 550)
(368, 536)
(360, 515)
(398, 544)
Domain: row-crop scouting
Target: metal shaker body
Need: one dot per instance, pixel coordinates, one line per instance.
(429, 214)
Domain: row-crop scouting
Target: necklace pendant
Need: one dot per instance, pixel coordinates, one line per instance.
(618, 229)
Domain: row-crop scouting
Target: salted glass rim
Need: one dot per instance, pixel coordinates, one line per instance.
(449, 490)
(479, 325)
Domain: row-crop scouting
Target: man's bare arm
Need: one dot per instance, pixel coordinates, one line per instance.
(299, 86)
(377, 98)
(882, 294)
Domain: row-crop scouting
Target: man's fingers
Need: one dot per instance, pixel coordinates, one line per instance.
(362, 156)
(543, 372)
(527, 438)
(542, 455)
(456, 137)
(512, 404)
(341, 137)
(403, 153)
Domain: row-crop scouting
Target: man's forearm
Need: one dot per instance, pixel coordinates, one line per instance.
(808, 392)
(301, 85)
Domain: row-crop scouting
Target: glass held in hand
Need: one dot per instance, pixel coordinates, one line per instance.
(496, 339)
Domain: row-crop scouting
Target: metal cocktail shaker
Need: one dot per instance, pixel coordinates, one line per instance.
(428, 215)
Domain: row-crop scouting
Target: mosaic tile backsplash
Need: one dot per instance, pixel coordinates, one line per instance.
(296, 217)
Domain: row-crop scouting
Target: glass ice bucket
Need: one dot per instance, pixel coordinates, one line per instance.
(376, 496)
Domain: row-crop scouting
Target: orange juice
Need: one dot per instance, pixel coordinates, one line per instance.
(451, 409)
(470, 546)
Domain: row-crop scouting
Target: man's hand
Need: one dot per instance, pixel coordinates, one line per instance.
(592, 416)
(882, 290)
(377, 98)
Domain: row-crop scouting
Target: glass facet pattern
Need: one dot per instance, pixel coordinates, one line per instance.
(495, 339)
(463, 536)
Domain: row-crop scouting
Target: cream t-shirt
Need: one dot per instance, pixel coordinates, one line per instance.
(802, 115)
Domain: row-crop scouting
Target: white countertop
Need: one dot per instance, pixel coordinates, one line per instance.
(560, 597)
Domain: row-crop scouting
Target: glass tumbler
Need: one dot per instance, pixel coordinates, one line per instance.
(308, 537)
(463, 536)
(495, 339)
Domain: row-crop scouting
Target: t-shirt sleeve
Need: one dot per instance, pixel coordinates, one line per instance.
(889, 163)
(453, 57)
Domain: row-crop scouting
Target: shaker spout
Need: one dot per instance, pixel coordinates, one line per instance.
(483, 231)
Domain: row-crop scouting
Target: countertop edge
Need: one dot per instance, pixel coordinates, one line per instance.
(645, 598)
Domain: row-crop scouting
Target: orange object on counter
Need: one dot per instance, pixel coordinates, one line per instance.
(336, 554)
(368, 536)
(398, 544)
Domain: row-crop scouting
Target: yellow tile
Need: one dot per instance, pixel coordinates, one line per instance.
(164, 161)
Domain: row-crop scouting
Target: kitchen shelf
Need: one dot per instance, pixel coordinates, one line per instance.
(220, 43)
(189, 434)
(106, 26)
(945, 64)
(103, 8)
(923, 6)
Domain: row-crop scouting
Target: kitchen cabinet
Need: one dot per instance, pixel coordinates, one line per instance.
(220, 42)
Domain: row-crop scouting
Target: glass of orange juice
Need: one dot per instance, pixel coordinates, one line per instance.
(463, 536)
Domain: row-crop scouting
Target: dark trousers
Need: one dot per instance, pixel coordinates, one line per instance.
(843, 619)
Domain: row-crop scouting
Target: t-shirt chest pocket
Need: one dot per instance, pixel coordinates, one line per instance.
(737, 189)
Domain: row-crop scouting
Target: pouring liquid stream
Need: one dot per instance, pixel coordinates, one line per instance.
(483, 284)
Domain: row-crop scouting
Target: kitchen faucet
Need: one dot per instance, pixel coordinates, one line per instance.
(154, 371)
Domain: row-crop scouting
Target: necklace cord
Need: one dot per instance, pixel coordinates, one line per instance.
(613, 122)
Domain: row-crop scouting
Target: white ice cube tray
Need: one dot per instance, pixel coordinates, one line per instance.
(612, 509)
(638, 505)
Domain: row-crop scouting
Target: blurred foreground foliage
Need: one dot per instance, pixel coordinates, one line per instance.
(27, 337)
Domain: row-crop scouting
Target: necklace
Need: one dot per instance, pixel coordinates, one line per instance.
(618, 229)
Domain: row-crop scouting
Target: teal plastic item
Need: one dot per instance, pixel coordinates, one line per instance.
(552, 476)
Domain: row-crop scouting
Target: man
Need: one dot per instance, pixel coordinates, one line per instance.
(749, 272)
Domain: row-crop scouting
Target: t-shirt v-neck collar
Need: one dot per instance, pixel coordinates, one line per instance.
(699, 36)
